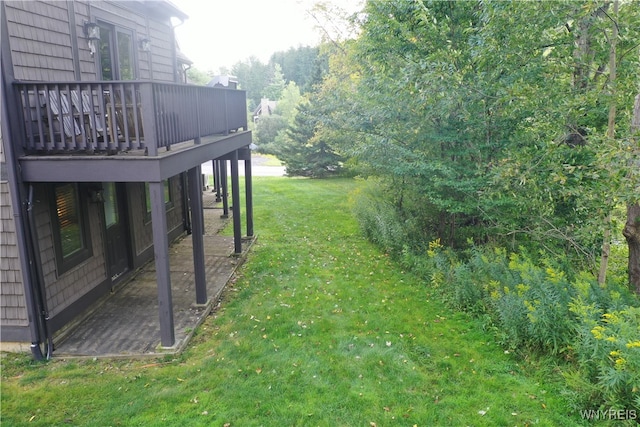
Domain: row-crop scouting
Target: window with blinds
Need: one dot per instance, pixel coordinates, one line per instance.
(68, 219)
(70, 236)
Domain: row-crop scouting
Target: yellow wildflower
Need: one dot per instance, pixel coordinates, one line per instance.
(611, 317)
(529, 306)
(598, 332)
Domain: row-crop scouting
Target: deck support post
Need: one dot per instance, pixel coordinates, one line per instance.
(248, 186)
(235, 195)
(161, 254)
(216, 179)
(225, 188)
(197, 222)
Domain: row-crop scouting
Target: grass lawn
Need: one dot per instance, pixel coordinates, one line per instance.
(320, 329)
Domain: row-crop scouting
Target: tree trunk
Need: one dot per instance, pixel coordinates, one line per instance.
(631, 232)
(611, 128)
(631, 229)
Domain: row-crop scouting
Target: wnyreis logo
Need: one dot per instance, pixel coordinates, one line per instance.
(609, 414)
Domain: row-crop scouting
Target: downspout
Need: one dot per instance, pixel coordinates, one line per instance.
(10, 131)
(38, 283)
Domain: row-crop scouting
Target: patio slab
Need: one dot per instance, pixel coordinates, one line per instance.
(125, 323)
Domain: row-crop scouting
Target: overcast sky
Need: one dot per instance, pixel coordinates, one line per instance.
(220, 33)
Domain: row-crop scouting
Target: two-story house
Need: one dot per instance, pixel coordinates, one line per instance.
(100, 164)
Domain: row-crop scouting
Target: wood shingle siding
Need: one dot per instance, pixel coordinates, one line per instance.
(87, 62)
(40, 40)
(13, 311)
(163, 59)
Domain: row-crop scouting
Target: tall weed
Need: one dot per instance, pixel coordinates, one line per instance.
(607, 346)
(379, 222)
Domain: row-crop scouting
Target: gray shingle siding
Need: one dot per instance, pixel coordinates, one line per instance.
(163, 60)
(14, 312)
(40, 40)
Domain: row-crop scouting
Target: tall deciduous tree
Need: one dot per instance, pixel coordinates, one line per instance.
(611, 130)
(632, 226)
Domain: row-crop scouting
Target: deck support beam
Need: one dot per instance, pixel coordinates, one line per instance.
(197, 239)
(161, 254)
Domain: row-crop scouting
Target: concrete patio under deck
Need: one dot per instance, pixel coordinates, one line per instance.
(126, 323)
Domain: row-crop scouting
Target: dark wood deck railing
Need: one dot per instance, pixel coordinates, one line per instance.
(116, 116)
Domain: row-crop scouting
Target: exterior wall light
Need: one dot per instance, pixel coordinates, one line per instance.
(92, 31)
(145, 44)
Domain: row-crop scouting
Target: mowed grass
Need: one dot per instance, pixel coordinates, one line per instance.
(320, 329)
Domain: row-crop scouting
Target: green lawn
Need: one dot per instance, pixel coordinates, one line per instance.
(320, 329)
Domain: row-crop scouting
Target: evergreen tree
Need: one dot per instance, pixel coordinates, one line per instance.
(276, 86)
(303, 152)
